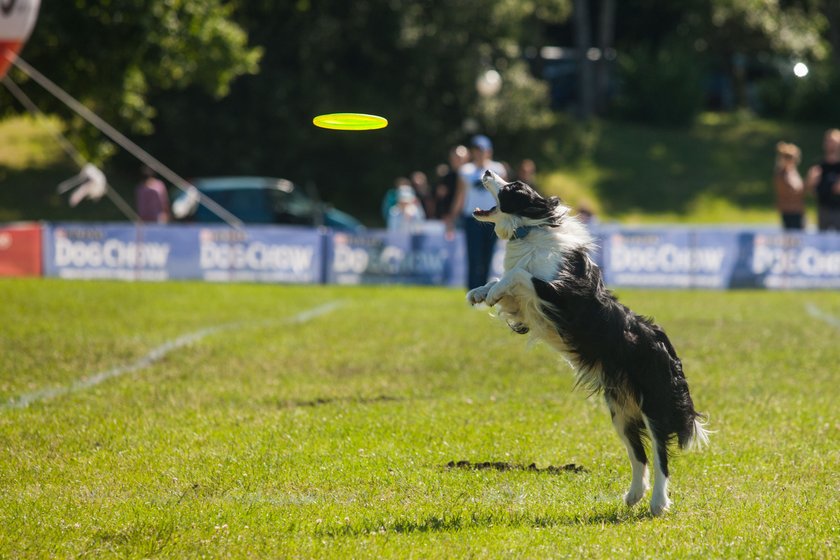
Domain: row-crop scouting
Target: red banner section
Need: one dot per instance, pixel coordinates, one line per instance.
(20, 250)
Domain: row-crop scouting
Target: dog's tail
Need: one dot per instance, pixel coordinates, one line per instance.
(696, 437)
(693, 433)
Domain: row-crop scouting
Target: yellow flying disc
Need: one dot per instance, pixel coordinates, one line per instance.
(350, 121)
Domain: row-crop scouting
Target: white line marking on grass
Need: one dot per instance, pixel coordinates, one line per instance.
(818, 313)
(158, 353)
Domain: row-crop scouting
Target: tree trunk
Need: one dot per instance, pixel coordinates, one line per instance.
(583, 42)
(831, 9)
(603, 70)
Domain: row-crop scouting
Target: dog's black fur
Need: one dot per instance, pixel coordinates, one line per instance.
(633, 354)
(553, 289)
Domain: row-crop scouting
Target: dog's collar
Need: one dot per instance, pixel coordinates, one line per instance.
(522, 232)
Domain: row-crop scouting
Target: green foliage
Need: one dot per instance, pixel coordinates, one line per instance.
(628, 171)
(330, 438)
(663, 87)
(415, 63)
(230, 87)
(114, 56)
(783, 27)
(814, 99)
(809, 99)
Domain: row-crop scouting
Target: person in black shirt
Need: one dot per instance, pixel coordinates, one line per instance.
(824, 181)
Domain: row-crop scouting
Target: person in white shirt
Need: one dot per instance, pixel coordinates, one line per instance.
(471, 194)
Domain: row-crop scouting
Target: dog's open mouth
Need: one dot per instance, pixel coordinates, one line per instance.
(479, 213)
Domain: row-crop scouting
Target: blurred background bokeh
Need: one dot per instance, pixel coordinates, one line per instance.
(646, 110)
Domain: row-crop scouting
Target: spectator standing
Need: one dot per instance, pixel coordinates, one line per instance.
(151, 198)
(420, 184)
(407, 213)
(471, 194)
(447, 183)
(790, 190)
(824, 181)
(527, 173)
(586, 214)
(390, 198)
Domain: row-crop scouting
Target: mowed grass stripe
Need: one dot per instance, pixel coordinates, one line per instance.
(331, 438)
(51, 331)
(157, 354)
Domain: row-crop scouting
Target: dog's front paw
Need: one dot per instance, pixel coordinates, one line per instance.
(495, 295)
(477, 295)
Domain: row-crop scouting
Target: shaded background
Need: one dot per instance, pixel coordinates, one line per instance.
(224, 88)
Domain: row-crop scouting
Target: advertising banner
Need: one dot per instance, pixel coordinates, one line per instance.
(261, 254)
(20, 250)
(120, 252)
(790, 261)
(638, 258)
(383, 257)
(155, 252)
(666, 258)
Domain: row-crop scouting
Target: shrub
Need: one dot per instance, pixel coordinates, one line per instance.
(663, 87)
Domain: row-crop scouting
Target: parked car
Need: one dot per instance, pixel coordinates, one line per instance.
(260, 200)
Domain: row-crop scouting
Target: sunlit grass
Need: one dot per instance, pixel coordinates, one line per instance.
(28, 142)
(717, 171)
(331, 437)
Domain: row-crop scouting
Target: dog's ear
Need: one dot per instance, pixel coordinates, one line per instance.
(553, 202)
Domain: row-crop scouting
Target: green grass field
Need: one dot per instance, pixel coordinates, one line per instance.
(319, 422)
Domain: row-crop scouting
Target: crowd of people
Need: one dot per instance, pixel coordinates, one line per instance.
(456, 191)
(821, 181)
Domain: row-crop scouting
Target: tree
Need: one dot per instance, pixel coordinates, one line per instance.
(115, 57)
(415, 63)
(586, 71)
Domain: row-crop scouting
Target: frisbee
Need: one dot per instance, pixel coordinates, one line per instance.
(350, 121)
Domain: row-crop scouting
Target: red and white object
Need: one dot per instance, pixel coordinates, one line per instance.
(17, 18)
(20, 248)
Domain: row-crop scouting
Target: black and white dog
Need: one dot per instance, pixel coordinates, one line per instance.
(553, 290)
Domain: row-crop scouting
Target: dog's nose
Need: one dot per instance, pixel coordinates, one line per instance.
(488, 174)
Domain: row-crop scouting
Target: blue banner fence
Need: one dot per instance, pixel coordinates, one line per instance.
(666, 257)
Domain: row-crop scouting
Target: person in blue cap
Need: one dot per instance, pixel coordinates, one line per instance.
(471, 194)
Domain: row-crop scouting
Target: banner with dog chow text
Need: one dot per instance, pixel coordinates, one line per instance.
(428, 257)
(184, 252)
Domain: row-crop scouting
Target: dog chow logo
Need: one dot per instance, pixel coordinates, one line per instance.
(793, 256)
(237, 256)
(93, 249)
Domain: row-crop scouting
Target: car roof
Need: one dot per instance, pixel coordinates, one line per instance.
(209, 184)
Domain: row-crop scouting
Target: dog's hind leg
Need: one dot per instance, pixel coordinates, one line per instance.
(659, 501)
(629, 430)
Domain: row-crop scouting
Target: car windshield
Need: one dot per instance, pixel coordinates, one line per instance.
(261, 203)
(249, 205)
